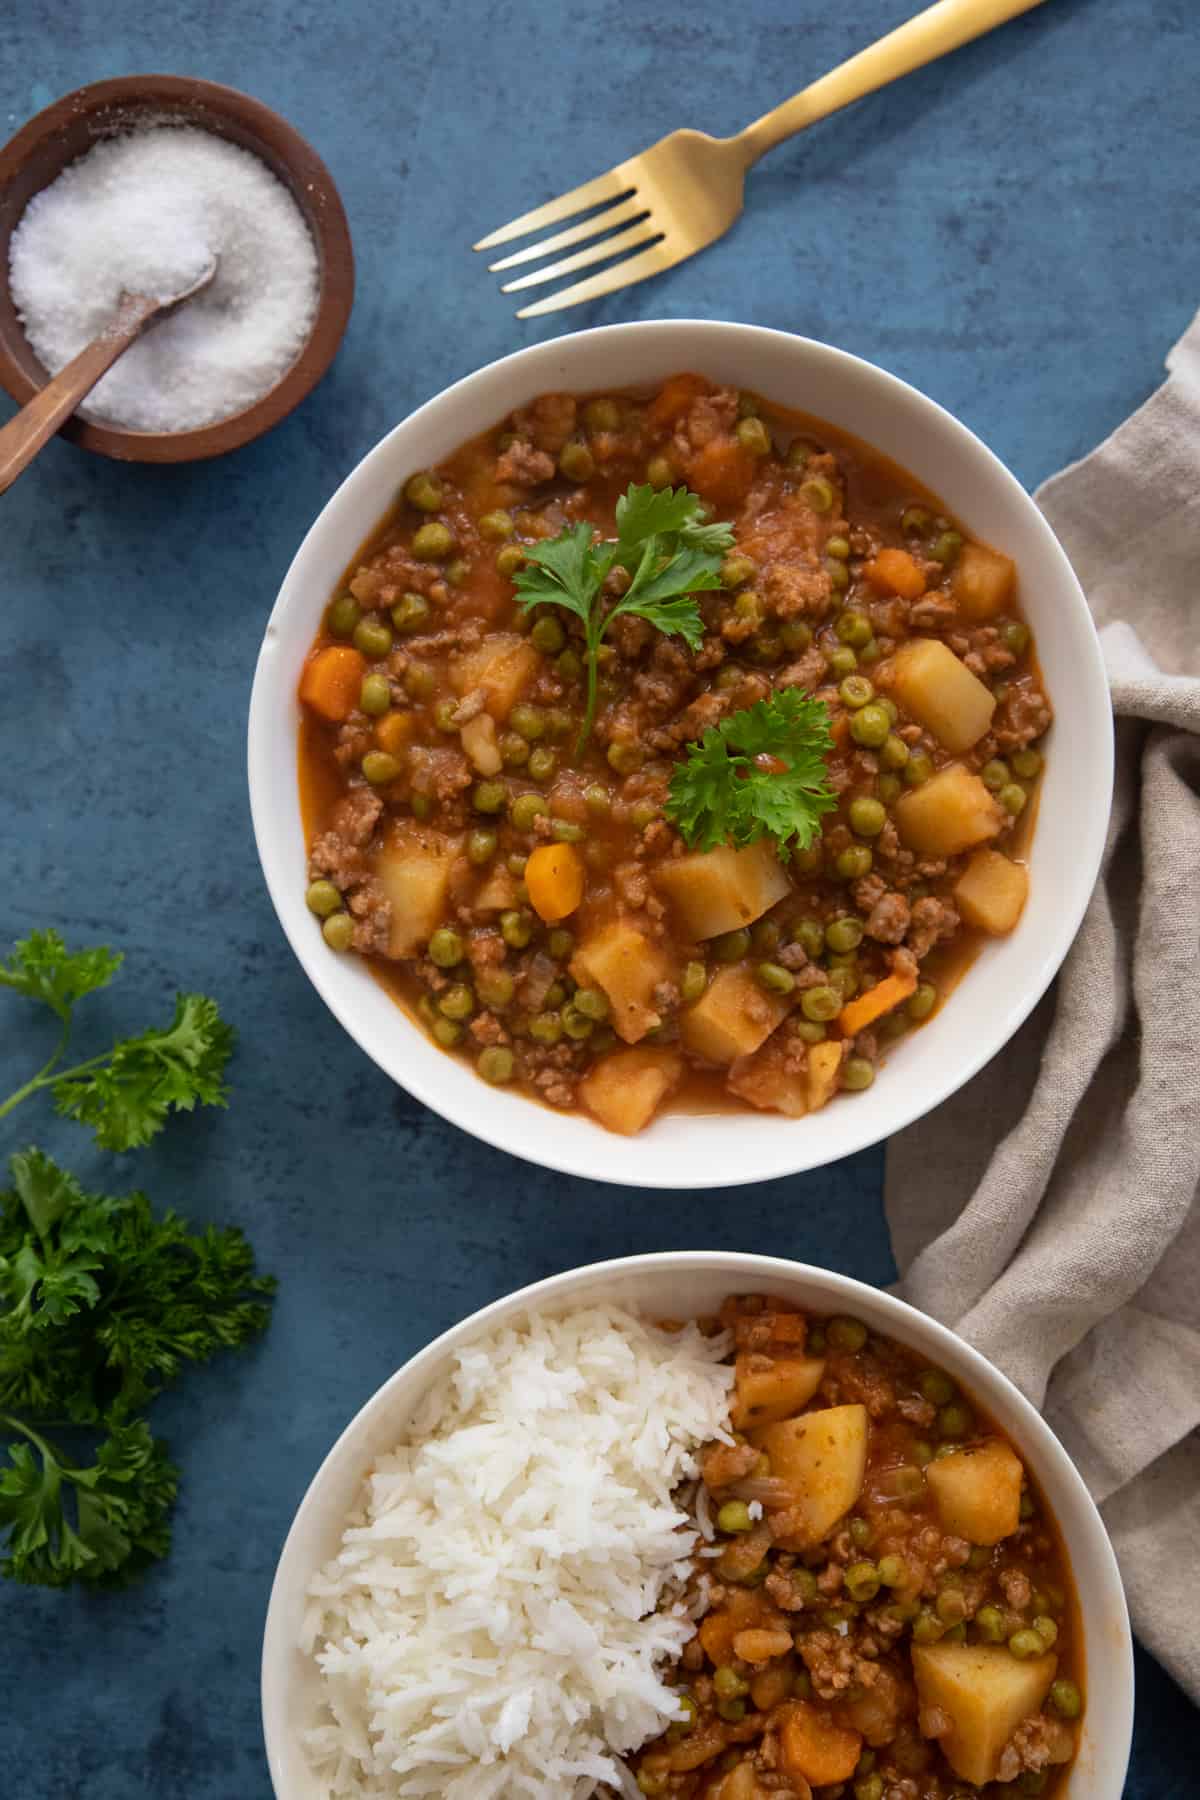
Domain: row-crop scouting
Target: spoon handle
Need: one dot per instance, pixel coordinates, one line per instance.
(36, 423)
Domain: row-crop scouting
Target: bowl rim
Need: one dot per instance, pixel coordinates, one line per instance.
(803, 1151)
(310, 185)
(749, 1270)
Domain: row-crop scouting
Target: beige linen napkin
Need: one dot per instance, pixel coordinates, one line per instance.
(1075, 1263)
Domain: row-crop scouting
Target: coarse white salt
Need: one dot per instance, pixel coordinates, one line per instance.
(144, 213)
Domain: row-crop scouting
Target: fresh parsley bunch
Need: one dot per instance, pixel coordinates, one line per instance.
(667, 548)
(760, 773)
(101, 1303)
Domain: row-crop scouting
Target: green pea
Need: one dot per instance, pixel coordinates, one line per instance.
(322, 898)
(514, 751)
(343, 616)
(926, 1627)
(818, 493)
(954, 1420)
(734, 1516)
(1012, 798)
(1047, 1630)
(423, 491)
(870, 726)
(456, 572)
(737, 570)
(576, 461)
(375, 696)
(989, 1623)
(419, 681)
(515, 863)
(570, 665)
(410, 612)
(799, 454)
(775, 978)
(481, 847)
(808, 1031)
(821, 1003)
(843, 934)
(853, 628)
(1066, 1699)
(855, 691)
(748, 607)
(1026, 763)
(560, 943)
(945, 547)
(893, 1571)
(529, 721)
(753, 435)
(861, 1580)
(380, 767)
(810, 935)
(602, 415)
(457, 1002)
(794, 634)
(575, 1023)
(729, 1685)
(994, 774)
(542, 763)
(893, 752)
(693, 982)
(810, 860)
(447, 1032)
(857, 1074)
(433, 542)
(496, 1064)
(1025, 1644)
(496, 525)
(489, 796)
(867, 816)
(732, 1711)
(869, 1787)
(870, 652)
(547, 636)
(592, 1003)
(338, 931)
(918, 769)
(495, 987)
(845, 1333)
(731, 946)
(937, 1388)
(516, 928)
(837, 546)
(659, 472)
(446, 948)
(1015, 637)
(853, 863)
(915, 521)
(842, 661)
(545, 1028)
(838, 573)
(372, 638)
(525, 809)
(422, 806)
(509, 560)
(951, 1605)
(888, 788)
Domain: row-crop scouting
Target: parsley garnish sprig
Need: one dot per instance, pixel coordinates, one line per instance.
(125, 1094)
(665, 546)
(759, 773)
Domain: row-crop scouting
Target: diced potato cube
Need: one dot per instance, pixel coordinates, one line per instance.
(982, 582)
(479, 741)
(978, 1491)
(503, 665)
(622, 961)
(625, 1090)
(775, 1078)
(498, 892)
(986, 1692)
(765, 1395)
(952, 811)
(719, 890)
(824, 1062)
(941, 693)
(991, 892)
(815, 1748)
(823, 1458)
(414, 872)
(731, 1018)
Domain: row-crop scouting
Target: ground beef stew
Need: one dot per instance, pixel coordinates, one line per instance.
(887, 1609)
(537, 907)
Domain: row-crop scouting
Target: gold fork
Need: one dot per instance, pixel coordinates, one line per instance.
(684, 192)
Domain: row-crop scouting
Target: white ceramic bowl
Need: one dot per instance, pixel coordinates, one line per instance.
(1003, 984)
(686, 1284)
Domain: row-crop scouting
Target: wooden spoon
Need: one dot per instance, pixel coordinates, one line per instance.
(35, 424)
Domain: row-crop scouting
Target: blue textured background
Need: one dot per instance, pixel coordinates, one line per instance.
(1013, 230)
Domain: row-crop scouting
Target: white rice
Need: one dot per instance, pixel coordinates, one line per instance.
(490, 1626)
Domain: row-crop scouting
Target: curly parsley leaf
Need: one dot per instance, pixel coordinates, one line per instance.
(42, 968)
(666, 547)
(760, 773)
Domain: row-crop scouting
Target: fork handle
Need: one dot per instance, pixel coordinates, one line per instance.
(932, 33)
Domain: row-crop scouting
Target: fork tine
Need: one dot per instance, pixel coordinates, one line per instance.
(631, 239)
(652, 261)
(613, 215)
(611, 186)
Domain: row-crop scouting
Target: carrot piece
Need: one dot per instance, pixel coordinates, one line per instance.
(554, 877)
(856, 1015)
(896, 572)
(817, 1749)
(332, 681)
(674, 398)
(395, 731)
(721, 471)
